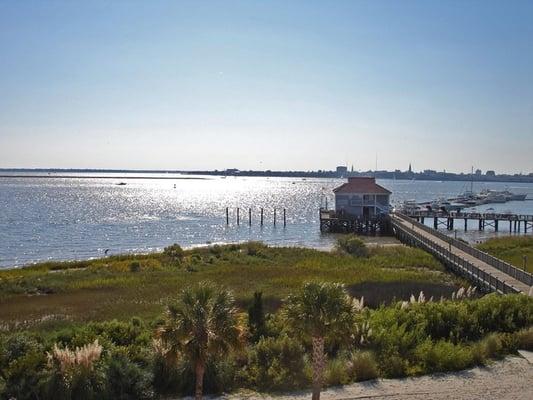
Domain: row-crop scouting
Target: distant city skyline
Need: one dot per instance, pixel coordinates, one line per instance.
(301, 85)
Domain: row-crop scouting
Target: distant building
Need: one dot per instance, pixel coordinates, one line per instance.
(361, 197)
(490, 173)
(342, 171)
(478, 172)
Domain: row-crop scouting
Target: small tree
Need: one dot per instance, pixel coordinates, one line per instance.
(351, 244)
(320, 311)
(256, 317)
(203, 323)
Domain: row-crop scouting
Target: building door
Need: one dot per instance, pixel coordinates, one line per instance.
(366, 212)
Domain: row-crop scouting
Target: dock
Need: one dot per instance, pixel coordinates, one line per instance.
(339, 222)
(488, 273)
(498, 221)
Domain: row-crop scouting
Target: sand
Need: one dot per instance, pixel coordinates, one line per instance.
(509, 379)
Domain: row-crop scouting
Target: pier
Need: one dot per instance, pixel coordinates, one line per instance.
(488, 273)
(498, 221)
(339, 222)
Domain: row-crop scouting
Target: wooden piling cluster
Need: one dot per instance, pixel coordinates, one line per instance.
(330, 221)
(261, 216)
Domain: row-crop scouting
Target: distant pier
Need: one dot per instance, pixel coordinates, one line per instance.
(498, 221)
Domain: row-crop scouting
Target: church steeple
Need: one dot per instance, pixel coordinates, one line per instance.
(410, 169)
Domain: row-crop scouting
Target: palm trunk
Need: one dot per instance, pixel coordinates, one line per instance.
(199, 369)
(318, 365)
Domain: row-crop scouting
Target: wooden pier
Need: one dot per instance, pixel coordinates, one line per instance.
(485, 271)
(497, 221)
(334, 222)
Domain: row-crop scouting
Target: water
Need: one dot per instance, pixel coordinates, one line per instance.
(78, 218)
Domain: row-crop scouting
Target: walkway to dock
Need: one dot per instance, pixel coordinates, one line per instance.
(488, 272)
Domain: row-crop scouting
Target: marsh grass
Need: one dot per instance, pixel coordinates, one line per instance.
(108, 288)
(511, 249)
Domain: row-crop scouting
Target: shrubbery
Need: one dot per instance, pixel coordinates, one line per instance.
(418, 339)
(174, 253)
(352, 245)
(276, 364)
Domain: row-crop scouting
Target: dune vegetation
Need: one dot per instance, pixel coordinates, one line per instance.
(244, 317)
(57, 293)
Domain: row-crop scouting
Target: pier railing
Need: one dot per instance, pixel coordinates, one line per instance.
(484, 279)
(471, 215)
(511, 270)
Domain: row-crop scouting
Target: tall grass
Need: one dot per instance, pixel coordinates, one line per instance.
(110, 288)
(511, 249)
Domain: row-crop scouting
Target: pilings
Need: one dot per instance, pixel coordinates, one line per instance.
(517, 223)
(261, 216)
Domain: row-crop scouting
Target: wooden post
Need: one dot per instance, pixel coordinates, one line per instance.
(510, 226)
(227, 216)
(274, 217)
(250, 217)
(496, 225)
(466, 224)
(261, 216)
(435, 223)
(284, 218)
(238, 219)
(480, 223)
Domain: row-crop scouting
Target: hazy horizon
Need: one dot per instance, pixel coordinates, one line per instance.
(267, 85)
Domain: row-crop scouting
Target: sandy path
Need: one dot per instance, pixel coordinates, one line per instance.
(508, 379)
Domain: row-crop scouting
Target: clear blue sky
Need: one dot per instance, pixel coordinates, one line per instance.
(267, 84)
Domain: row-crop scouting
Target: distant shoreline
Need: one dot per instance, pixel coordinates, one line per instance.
(100, 177)
(321, 174)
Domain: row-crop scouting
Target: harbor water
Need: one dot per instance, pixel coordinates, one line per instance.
(72, 218)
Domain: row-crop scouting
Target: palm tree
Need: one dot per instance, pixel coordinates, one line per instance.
(202, 323)
(321, 311)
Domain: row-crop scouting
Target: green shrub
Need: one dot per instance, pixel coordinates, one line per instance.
(352, 245)
(256, 317)
(493, 346)
(254, 249)
(525, 339)
(135, 266)
(22, 362)
(276, 364)
(167, 377)
(393, 365)
(126, 380)
(362, 366)
(443, 356)
(174, 253)
(337, 372)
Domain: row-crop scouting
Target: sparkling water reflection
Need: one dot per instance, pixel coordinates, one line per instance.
(76, 218)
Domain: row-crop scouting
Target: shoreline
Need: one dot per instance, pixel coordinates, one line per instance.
(101, 177)
(371, 241)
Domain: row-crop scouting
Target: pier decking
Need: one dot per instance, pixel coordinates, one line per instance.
(487, 272)
(517, 222)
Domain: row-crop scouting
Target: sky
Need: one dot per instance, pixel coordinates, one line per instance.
(282, 85)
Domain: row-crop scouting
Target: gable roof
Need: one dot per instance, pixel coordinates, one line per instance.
(361, 185)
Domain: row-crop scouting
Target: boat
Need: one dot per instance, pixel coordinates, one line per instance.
(121, 184)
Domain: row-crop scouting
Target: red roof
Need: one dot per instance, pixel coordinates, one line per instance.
(361, 185)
